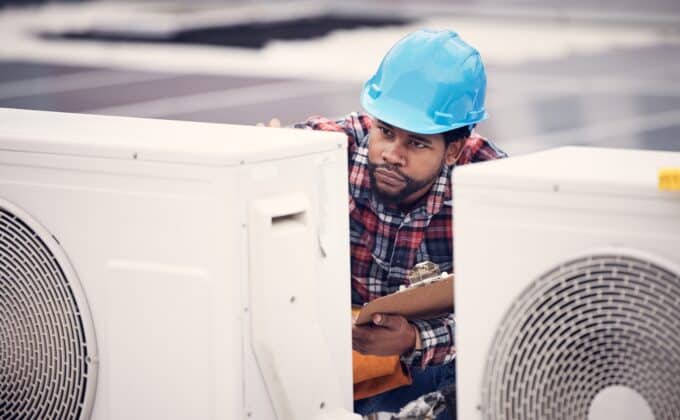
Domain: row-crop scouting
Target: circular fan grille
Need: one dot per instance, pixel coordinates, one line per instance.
(589, 324)
(45, 348)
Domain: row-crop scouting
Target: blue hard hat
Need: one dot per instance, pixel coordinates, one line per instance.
(429, 82)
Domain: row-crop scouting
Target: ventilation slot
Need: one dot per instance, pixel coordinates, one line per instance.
(588, 325)
(294, 218)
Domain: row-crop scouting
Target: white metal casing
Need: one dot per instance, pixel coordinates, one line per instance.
(517, 218)
(160, 221)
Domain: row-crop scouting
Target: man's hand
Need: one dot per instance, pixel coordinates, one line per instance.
(274, 122)
(387, 335)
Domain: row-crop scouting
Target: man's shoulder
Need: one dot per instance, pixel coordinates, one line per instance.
(355, 125)
(353, 121)
(478, 148)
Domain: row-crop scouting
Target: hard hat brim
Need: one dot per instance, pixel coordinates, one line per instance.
(406, 117)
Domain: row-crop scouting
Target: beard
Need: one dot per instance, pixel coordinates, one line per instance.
(398, 197)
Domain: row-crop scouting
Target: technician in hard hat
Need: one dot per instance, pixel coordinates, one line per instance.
(421, 106)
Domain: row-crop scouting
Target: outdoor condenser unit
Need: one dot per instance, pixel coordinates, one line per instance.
(157, 269)
(568, 287)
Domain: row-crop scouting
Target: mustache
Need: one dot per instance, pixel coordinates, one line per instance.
(389, 167)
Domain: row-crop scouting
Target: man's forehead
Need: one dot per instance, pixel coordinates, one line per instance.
(410, 133)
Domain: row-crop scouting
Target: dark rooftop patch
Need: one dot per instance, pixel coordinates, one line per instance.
(245, 35)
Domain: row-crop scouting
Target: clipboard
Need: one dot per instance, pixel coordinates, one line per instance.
(424, 300)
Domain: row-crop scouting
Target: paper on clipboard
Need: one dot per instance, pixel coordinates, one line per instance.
(419, 302)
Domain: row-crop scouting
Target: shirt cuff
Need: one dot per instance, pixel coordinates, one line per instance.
(415, 357)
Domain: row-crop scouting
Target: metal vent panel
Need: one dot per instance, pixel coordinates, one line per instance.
(589, 324)
(47, 344)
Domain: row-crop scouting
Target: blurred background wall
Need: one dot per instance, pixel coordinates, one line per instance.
(601, 73)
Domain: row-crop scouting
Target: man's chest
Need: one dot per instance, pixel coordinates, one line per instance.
(384, 245)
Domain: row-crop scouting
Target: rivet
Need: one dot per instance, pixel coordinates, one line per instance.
(322, 405)
(292, 299)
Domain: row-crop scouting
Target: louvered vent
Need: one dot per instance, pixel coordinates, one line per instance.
(46, 336)
(588, 325)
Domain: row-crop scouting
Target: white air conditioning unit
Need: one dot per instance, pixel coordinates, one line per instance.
(568, 287)
(170, 270)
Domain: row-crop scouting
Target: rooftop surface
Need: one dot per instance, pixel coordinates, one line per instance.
(603, 74)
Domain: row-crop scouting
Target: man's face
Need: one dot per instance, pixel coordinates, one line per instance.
(403, 165)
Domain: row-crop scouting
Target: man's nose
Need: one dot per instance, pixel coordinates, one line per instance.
(393, 153)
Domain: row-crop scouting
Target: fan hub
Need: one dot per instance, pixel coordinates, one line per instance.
(619, 403)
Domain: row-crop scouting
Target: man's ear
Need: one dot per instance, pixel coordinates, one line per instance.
(453, 151)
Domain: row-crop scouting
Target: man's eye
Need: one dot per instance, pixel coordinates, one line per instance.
(418, 145)
(385, 131)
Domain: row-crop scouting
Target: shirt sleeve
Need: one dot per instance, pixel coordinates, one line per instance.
(479, 149)
(437, 342)
(354, 125)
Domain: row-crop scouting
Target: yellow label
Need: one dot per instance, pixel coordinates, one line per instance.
(669, 179)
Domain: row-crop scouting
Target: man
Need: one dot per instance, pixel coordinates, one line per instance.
(423, 104)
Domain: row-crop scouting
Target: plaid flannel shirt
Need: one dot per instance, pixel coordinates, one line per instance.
(385, 243)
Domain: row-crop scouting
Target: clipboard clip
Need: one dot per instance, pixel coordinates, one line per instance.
(423, 273)
(429, 295)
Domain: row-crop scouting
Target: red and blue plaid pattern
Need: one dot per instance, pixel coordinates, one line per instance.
(385, 243)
